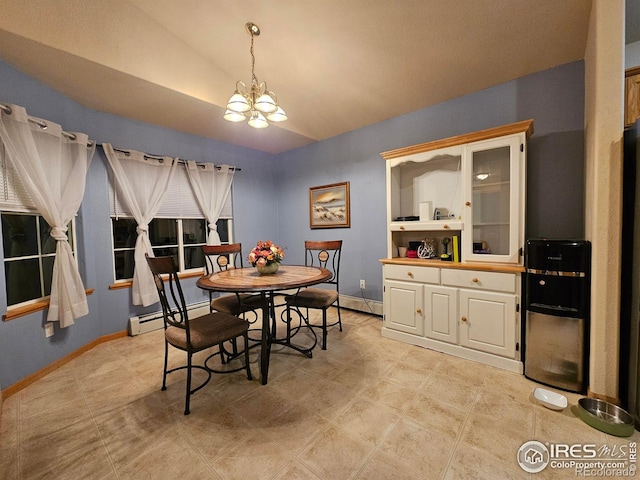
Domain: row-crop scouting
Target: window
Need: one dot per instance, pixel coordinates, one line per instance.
(179, 228)
(29, 252)
(182, 238)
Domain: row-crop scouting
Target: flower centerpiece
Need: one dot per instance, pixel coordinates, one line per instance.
(266, 257)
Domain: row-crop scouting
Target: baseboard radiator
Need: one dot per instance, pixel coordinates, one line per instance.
(153, 321)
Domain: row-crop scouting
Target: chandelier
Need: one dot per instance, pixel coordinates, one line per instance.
(257, 102)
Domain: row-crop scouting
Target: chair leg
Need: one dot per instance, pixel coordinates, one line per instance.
(339, 317)
(166, 361)
(246, 355)
(186, 401)
(324, 329)
(222, 359)
(288, 324)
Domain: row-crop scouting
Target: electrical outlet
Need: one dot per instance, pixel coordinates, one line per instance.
(48, 329)
(363, 285)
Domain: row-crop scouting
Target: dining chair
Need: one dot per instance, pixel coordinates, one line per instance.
(324, 254)
(192, 335)
(220, 258)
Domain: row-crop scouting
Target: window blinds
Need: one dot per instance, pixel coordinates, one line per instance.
(179, 201)
(13, 194)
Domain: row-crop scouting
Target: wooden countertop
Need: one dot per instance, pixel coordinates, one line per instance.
(485, 267)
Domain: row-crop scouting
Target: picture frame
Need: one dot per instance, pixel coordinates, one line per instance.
(329, 206)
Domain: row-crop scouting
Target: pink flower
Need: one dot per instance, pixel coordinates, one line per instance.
(265, 253)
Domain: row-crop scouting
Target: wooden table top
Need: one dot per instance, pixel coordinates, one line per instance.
(249, 280)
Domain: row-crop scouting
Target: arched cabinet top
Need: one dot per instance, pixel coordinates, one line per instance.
(525, 126)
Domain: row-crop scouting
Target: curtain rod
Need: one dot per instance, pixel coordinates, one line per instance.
(41, 123)
(180, 161)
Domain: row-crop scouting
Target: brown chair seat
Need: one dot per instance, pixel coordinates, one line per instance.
(313, 298)
(207, 331)
(236, 304)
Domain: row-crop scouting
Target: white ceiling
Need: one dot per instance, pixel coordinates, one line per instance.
(336, 65)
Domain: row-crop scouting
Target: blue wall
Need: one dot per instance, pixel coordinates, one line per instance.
(268, 184)
(555, 171)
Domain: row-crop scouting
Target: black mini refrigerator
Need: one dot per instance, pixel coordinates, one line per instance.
(557, 298)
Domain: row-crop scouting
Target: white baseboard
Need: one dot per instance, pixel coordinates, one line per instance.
(358, 303)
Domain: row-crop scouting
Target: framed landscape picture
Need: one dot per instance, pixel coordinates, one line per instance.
(329, 206)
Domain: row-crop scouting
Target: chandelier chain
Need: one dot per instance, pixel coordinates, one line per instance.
(254, 79)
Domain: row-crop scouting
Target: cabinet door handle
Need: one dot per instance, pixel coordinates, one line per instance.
(445, 226)
(468, 204)
(474, 280)
(410, 274)
(401, 227)
(419, 310)
(464, 319)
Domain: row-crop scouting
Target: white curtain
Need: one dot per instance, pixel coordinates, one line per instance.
(53, 168)
(211, 186)
(142, 182)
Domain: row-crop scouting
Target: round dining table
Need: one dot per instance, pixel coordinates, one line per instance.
(248, 280)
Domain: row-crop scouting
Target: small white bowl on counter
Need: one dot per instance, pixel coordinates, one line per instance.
(549, 399)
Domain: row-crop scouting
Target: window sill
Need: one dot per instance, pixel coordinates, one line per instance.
(14, 313)
(127, 284)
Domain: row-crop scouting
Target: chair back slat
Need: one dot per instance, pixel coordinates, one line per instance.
(174, 309)
(222, 257)
(325, 254)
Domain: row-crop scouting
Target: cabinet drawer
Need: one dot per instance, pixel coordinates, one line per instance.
(411, 273)
(501, 282)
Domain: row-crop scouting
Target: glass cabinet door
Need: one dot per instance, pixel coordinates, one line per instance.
(492, 200)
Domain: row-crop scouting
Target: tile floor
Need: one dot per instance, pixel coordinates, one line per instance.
(367, 408)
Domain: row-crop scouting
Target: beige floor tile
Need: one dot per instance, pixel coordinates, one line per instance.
(63, 454)
(398, 397)
(432, 411)
(9, 421)
(471, 372)
(384, 466)
(296, 428)
(213, 433)
(255, 457)
(367, 420)
(262, 405)
(335, 454)
(497, 439)
(422, 450)
(325, 398)
(409, 374)
(9, 466)
(565, 427)
(35, 400)
(166, 459)
(296, 471)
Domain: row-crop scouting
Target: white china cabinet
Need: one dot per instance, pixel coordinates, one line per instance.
(464, 193)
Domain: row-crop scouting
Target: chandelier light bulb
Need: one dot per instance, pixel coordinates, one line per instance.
(277, 116)
(257, 120)
(232, 116)
(266, 104)
(238, 103)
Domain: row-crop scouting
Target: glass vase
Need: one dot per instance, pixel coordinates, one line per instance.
(269, 269)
